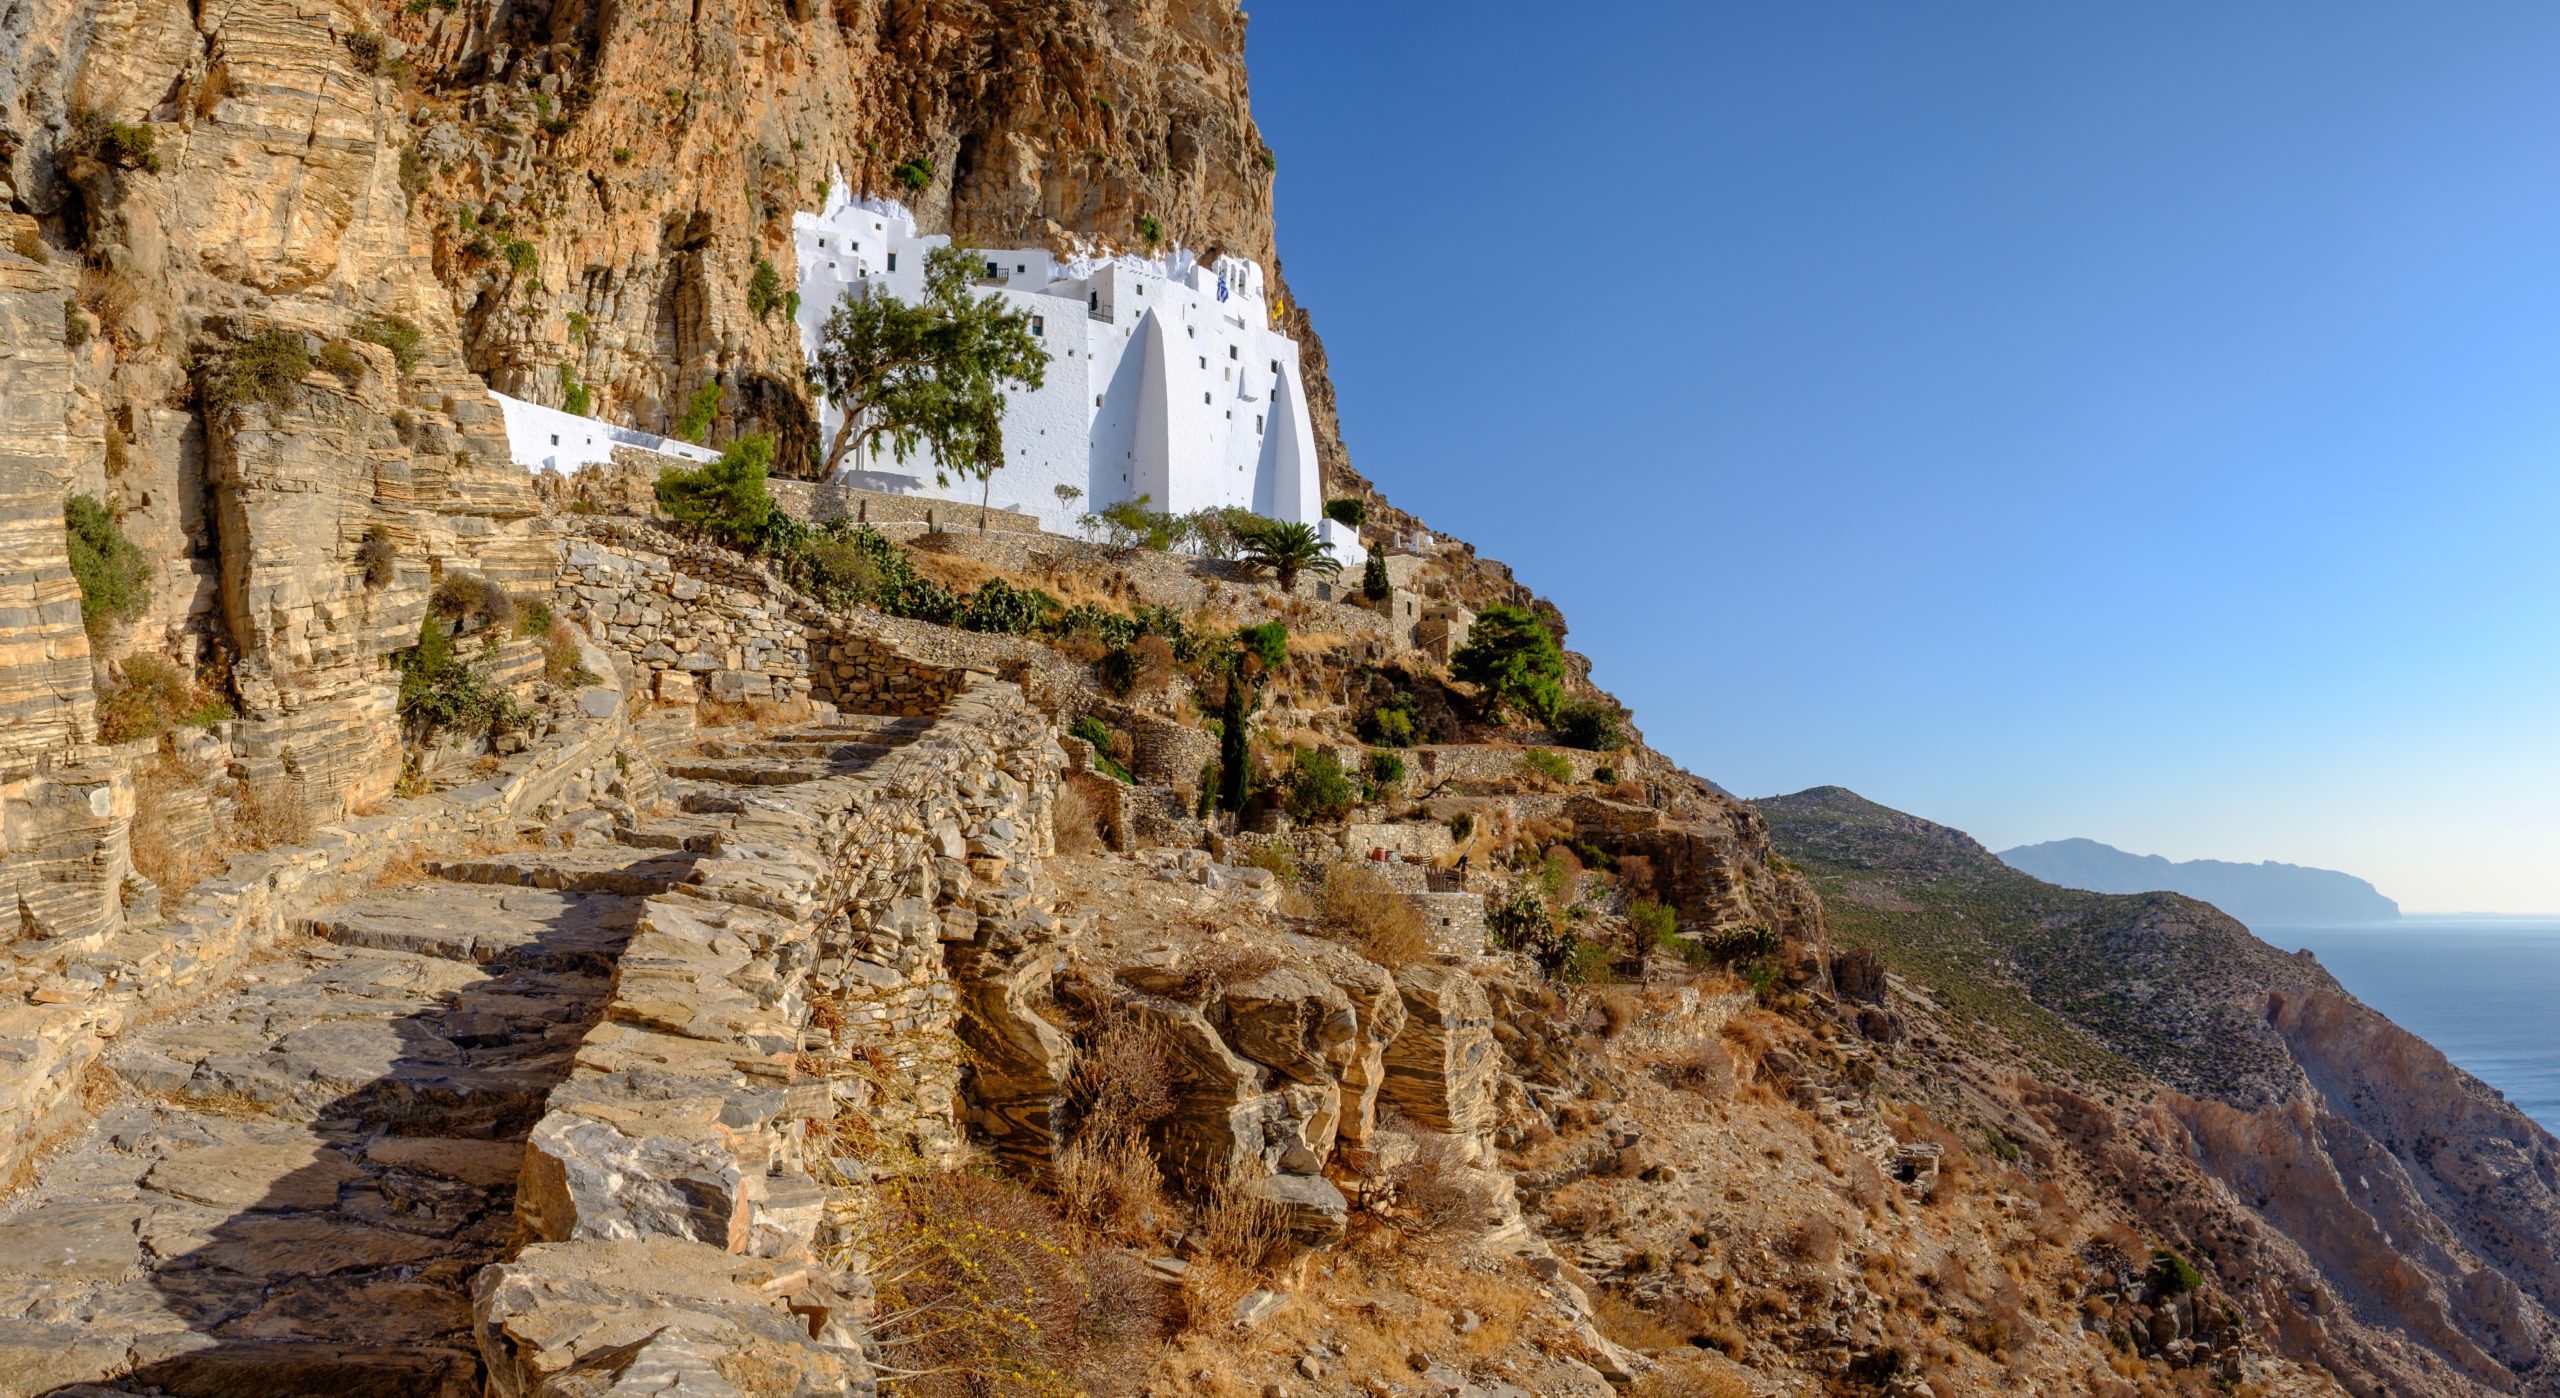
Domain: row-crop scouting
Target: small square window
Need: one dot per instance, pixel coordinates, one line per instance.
(1019, 269)
(555, 439)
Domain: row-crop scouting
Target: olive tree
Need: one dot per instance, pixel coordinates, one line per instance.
(932, 373)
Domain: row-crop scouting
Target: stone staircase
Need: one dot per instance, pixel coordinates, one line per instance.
(287, 1189)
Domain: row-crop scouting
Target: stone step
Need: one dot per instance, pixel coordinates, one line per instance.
(698, 834)
(544, 929)
(611, 869)
(755, 771)
(892, 729)
(834, 750)
(706, 798)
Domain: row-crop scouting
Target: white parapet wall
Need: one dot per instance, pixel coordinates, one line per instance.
(547, 439)
(1167, 377)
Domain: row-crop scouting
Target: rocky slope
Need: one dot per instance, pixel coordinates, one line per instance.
(2420, 1203)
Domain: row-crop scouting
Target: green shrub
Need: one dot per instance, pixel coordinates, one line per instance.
(1655, 925)
(1268, 643)
(366, 48)
(521, 257)
(764, 291)
(1594, 725)
(151, 697)
(114, 576)
(534, 619)
(1396, 722)
(1582, 962)
(1151, 230)
(727, 498)
(913, 175)
(578, 327)
(129, 147)
(1605, 776)
(75, 325)
(1386, 768)
(700, 412)
(1347, 509)
(1513, 660)
(1093, 731)
(1374, 582)
(2172, 1275)
(622, 155)
(1000, 608)
(576, 399)
(1315, 788)
(261, 369)
(1550, 766)
(441, 691)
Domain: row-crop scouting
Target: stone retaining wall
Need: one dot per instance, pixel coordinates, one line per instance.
(820, 503)
(781, 1020)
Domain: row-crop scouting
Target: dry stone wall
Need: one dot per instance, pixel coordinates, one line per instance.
(781, 1020)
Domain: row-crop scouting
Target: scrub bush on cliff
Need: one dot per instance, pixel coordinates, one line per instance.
(1513, 661)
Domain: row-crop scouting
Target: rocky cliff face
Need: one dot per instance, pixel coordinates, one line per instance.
(2407, 1200)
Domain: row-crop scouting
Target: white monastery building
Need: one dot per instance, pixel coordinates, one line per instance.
(547, 439)
(1165, 377)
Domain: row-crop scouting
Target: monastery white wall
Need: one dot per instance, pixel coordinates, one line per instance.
(547, 439)
(1165, 378)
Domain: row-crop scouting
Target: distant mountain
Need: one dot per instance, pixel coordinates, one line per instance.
(2261, 895)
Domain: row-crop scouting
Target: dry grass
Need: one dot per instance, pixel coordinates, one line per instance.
(270, 817)
(1244, 1240)
(1074, 822)
(1437, 1201)
(1110, 1187)
(158, 855)
(1216, 965)
(1705, 1068)
(1362, 909)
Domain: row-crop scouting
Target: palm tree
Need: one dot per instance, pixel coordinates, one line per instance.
(1288, 550)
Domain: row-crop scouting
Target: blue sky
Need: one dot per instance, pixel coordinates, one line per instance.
(2132, 422)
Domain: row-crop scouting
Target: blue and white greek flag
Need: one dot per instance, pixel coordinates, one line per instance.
(1222, 288)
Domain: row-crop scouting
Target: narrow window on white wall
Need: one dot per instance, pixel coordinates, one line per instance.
(1040, 326)
(1257, 422)
(1234, 353)
(893, 262)
(555, 439)
(1275, 367)
(1204, 361)
(1204, 400)
(1097, 400)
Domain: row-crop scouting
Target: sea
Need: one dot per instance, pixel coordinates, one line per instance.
(2480, 988)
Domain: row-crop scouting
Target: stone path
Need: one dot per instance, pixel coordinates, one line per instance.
(293, 1183)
